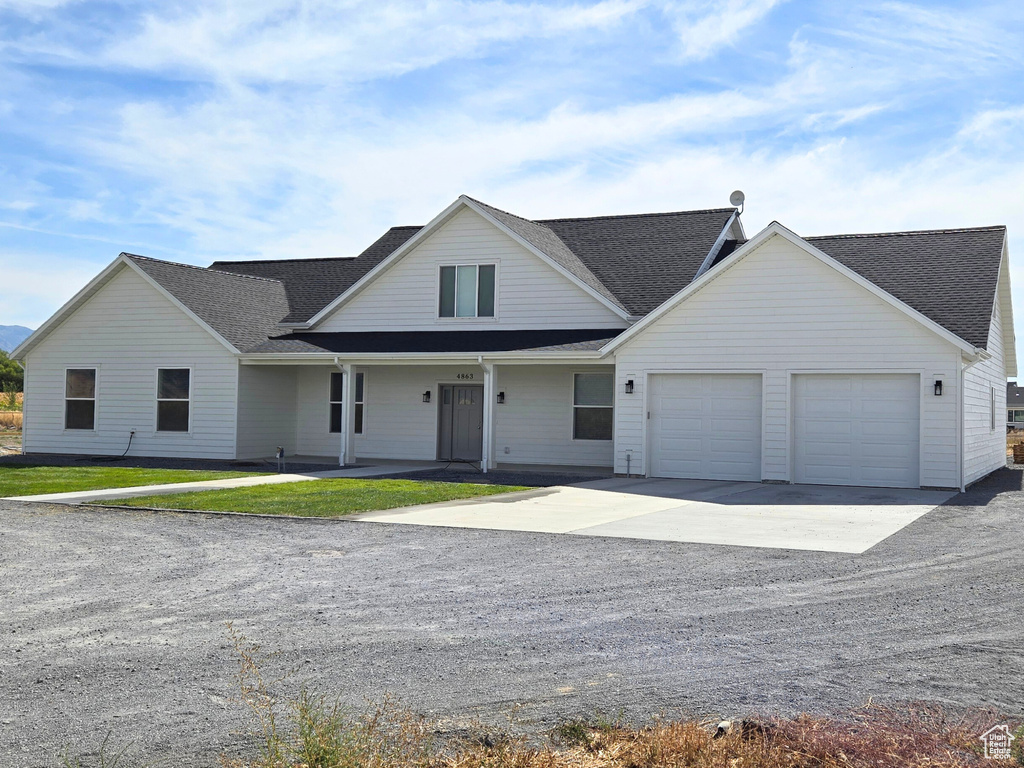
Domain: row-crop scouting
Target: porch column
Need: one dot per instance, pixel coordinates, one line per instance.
(490, 393)
(348, 394)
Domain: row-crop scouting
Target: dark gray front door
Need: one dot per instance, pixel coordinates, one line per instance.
(461, 423)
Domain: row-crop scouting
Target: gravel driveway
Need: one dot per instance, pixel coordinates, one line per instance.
(114, 621)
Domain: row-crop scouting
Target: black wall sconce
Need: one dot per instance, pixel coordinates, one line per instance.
(426, 396)
(501, 398)
(938, 387)
(629, 386)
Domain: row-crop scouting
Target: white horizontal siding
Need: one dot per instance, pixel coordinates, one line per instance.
(127, 330)
(535, 423)
(529, 293)
(777, 312)
(985, 436)
(267, 415)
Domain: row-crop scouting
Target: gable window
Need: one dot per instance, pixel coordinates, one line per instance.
(592, 406)
(337, 395)
(467, 290)
(80, 398)
(173, 399)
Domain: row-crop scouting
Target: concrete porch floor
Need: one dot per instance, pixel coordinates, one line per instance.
(803, 517)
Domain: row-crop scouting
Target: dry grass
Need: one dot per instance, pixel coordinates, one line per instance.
(10, 420)
(313, 732)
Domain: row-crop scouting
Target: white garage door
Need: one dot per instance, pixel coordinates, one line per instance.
(857, 430)
(706, 426)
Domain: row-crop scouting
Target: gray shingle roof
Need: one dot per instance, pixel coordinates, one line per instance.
(546, 241)
(312, 284)
(643, 259)
(242, 309)
(637, 261)
(948, 275)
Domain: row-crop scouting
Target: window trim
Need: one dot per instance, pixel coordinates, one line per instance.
(157, 399)
(467, 263)
(331, 402)
(95, 396)
(573, 407)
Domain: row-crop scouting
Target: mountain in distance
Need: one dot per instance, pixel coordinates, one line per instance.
(12, 335)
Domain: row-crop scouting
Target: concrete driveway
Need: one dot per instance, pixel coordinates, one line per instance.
(806, 517)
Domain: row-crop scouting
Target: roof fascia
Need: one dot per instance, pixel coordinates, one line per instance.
(383, 266)
(191, 315)
(620, 311)
(778, 230)
(716, 246)
(69, 306)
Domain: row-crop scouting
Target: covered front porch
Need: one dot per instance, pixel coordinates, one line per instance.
(493, 414)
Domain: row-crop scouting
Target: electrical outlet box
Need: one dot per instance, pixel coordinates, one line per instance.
(507, 449)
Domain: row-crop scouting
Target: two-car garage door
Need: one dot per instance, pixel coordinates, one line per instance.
(860, 429)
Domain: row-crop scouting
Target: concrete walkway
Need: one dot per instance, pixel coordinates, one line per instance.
(804, 517)
(81, 497)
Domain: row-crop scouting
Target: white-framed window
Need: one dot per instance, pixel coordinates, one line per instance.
(337, 395)
(80, 398)
(467, 290)
(1015, 416)
(173, 399)
(592, 400)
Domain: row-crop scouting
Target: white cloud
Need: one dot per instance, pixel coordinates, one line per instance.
(329, 42)
(994, 124)
(704, 27)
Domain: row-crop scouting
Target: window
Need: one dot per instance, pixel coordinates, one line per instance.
(80, 398)
(467, 291)
(173, 399)
(592, 406)
(336, 398)
(1015, 416)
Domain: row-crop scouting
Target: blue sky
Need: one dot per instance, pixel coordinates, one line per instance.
(194, 131)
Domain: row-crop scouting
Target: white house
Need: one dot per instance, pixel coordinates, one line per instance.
(665, 345)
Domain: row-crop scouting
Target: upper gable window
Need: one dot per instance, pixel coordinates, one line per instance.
(467, 290)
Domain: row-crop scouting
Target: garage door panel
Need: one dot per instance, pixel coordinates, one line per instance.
(706, 426)
(877, 444)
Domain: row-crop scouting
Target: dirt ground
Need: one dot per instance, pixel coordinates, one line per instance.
(114, 621)
(10, 441)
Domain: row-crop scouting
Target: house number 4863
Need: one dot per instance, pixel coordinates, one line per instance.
(464, 376)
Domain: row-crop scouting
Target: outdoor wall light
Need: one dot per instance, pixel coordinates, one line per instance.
(426, 396)
(629, 386)
(501, 398)
(938, 387)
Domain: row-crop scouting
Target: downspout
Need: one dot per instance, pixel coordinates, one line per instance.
(960, 421)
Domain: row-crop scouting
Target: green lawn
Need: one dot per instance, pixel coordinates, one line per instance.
(29, 479)
(320, 498)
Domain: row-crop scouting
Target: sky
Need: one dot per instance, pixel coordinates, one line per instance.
(193, 131)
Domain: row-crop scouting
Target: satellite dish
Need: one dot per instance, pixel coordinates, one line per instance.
(736, 198)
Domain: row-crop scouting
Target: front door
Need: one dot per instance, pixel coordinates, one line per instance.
(461, 423)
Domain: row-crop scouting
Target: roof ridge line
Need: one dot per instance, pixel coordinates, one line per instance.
(206, 270)
(853, 235)
(633, 215)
